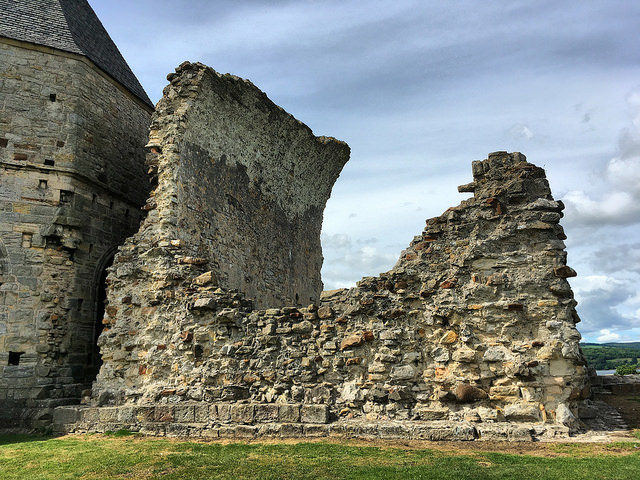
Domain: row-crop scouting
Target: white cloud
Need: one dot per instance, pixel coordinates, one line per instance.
(520, 131)
(619, 204)
(346, 260)
(607, 335)
(605, 303)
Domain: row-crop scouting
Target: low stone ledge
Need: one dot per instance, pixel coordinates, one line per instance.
(243, 423)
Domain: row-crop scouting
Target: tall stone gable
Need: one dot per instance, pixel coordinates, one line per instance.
(242, 187)
(73, 124)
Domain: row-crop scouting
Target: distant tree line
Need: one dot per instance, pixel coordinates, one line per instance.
(611, 356)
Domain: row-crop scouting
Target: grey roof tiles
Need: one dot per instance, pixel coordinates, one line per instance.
(72, 26)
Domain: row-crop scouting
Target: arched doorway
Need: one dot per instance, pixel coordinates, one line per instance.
(94, 362)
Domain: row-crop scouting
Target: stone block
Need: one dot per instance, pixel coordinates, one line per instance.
(90, 416)
(222, 412)
(314, 414)
(66, 415)
(164, 414)
(266, 413)
(433, 413)
(315, 430)
(242, 413)
(178, 430)
(289, 413)
(127, 415)
(246, 431)
(145, 414)
(291, 430)
(108, 414)
(202, 412)
(184, 413)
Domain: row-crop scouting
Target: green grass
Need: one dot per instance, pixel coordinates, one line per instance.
(124, 456)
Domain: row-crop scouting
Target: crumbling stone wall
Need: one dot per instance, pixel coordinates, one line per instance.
(242, 186)
(471, 334)
(72, 183)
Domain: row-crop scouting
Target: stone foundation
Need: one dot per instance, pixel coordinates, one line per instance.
(249, 421)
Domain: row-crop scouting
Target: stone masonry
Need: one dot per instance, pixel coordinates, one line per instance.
(242, 186)
(471, 335)
(72, 181)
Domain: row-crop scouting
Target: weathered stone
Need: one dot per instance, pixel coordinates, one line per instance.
(72, 158)
(242, 413)
(266, 413)
(402, 348)
(449, 337)
(522, 412)
(564, 272)
(289, 413)
(325, 312)
(464, 355)
(404, 372)
(205, 279)
(466, 393)
(351, 341)
(314, 414)
(205, 303)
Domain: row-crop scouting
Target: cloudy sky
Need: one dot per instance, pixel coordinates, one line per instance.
(419, 89)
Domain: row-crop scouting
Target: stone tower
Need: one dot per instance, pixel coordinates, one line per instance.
(73, 124)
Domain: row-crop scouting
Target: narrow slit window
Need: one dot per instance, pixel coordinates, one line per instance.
(14, 358)
(42, 184)
(49, 163)
(66, 196)
(52, 97)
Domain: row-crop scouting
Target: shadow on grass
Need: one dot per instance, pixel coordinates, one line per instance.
(10, 439)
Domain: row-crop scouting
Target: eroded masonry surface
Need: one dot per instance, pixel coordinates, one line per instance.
(242, 186)
(471, 334)
(72, 181)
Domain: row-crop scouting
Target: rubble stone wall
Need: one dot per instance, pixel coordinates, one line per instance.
(474, 325)
(72, 181)
(242, 185)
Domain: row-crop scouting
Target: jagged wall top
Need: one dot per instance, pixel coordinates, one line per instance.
(242, 185)
(474, 325)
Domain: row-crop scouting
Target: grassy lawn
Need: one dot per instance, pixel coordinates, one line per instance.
(133, 457)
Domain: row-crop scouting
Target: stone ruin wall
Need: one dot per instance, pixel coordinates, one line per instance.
(471, 335)
(242, 186)
(72, 181)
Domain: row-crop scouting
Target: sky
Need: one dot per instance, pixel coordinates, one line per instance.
(419, 89)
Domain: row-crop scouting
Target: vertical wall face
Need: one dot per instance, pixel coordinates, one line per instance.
(72, 182)
(243, 185)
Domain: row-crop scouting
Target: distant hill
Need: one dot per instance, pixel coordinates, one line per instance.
(613, 344)
(607, 356)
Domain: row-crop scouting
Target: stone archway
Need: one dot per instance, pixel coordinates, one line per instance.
(100, 296)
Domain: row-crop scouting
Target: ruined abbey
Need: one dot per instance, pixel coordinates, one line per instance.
(160, 268)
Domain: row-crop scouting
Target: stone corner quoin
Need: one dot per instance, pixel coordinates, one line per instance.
(472, 332)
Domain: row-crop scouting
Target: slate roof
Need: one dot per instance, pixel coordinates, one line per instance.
(72, 26)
